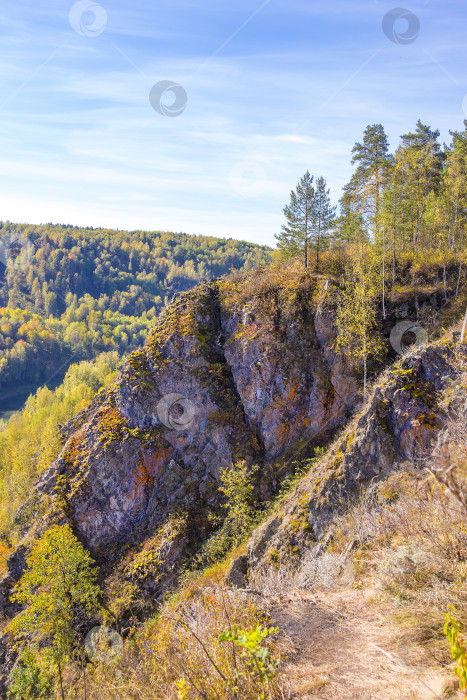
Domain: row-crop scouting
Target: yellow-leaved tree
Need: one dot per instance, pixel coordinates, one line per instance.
(356, 317)
(58, 586)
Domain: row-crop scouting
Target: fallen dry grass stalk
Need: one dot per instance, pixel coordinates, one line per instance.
(406, 668)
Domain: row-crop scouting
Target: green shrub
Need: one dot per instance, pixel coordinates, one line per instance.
(456, 638)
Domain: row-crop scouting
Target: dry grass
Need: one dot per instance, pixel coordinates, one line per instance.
(408, 542)
(279, 279)
(314, 571)
(366, 616)
(346, 648)
(414, 547)
(400, 558)
(450, 458)
(390, 568)
(178, 655)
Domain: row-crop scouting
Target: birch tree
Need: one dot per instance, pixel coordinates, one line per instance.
(356, 317)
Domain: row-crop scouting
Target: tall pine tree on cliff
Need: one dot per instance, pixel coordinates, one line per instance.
(296, 233)
(324, 217)
(310, 217)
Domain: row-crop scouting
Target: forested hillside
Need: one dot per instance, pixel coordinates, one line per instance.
(68, 293)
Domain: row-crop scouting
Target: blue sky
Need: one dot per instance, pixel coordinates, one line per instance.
(273, 88)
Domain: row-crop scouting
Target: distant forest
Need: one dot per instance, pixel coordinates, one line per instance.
(84, 291)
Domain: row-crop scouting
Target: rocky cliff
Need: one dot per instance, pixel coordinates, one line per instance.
(238, 369)
(409, 409)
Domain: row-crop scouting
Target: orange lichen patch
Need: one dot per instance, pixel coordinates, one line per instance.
(154, 462)
(428, 420)
(416, 435)
(74, 454)
(5, 551)
(292, 394)
(140, 479)
(282, 433)
(285, 406)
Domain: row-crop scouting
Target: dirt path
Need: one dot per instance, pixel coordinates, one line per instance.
(342, 649)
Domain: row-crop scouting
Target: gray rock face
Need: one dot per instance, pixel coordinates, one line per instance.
(212, 385)
(400, 423)
(16, 565)
(236, 576)
(292, 385)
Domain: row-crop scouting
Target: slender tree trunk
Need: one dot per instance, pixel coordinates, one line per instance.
(459, 277)
(318, 236)
(364, 376)
(456, 211)
(419, 224)
(394, 242)
(464, 326)
(364, 335)
(444, 276)
(377, 195)
(384, 276)
(61, 681)
(317, 251)
(84, 675)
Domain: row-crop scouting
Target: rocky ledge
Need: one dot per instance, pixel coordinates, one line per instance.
(408, 409)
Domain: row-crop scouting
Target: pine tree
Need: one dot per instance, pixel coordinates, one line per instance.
(363, 195)
(455, 189)
(350, 226)
(366, 187)
(392, 216)
(374, 163)
(296, 233)
(310, 217)
(324, 216)
(419, 162)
